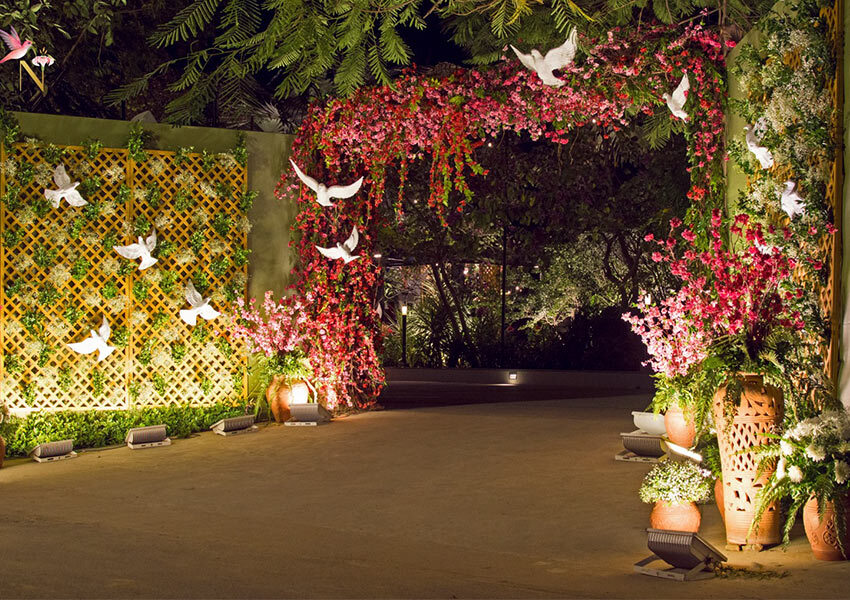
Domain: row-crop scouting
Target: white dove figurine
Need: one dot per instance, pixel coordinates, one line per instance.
(142, 249)
(556, 58)
(200, 307)
(762, 154)
(792, 203)
(676, 100)
(67, 190)
(324, 193)
(96, 341)
(343, 250)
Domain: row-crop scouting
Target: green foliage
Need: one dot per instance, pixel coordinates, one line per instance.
(197, 241)
(675, 481)
(80, 268)
(167, 279)
(12, 198)
(120, 336)
(44, 257)
(165, 248)
(123, 194)
(220, 266)
(246, 200)
(137, 141)
(178, 351)
(92, 148)
(98, 382)
(201, 332)
(76, 227)
(12, 237)
(141, 289)
(183, 200)
(160, 385)
(26, 173)
(13, 364)
(160, 320)
(201, 280)
(48, 294)
(44, 355)
(72, 313)
(109, 241)
(98, 428)
(65, 379)
(141, 225)
(88, 188)
(153, 196)
(16, 286)
(144, 355)
(240, 151)
(32, 321)
(181, 155)
(221, 224)
(240, 256)
(53, 154)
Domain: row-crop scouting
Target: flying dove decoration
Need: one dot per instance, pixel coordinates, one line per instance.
(676, 100)
(556, 58)
(200, 307)
(792, 203)
(343, 251)
(65, 189)
(325, 193)
(97, 341)
(763, 155)
(142, 249)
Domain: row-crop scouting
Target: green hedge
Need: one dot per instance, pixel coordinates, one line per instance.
(95, 428)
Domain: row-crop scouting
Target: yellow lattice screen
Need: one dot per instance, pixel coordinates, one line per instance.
(59, 275)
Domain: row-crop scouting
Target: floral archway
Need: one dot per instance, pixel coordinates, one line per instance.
(613, 80)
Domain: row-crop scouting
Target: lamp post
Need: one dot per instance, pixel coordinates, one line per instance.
(404, 334)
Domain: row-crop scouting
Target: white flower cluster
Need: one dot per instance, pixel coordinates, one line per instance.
(60, 274)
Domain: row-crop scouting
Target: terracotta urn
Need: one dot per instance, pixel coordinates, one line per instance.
(824, 534)
(280, 395)
(678, 516)
(739, 428)
(680, 427)
(718, 498)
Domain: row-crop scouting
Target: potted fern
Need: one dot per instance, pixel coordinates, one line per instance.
(675, 488)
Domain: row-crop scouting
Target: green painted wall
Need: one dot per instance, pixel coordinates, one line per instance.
(271, 258)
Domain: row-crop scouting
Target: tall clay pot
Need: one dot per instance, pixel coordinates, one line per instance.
(824, 534)
(680, 427)
(758, 412)
(679, 516)
(718, 498)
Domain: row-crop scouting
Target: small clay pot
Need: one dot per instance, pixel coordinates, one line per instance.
(680, 428)
(824, 534)
(718, 498)
(680, 516)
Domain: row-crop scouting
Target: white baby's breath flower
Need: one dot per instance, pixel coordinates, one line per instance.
(43, 175)
(138, 195)
(26, 216)
(90, 237)
(170, 335)
(786, 448)
(184, 179)
(13, 329)
(842, 471)
(33, 347)
(184, 256)
(138, 318)
(60, 274)
(200, 218)
(91, 298)
(58, 329)
(227, 161)
(175, 302)
(151, 275)
(59, 236)
(108, 208)
(113, 174)
(22, 263)
(217, 246)
(240, 280)
(109, 265)
(206, 189)
(160, 357)
(115, 305)
(243, 224)
(795, 474)
(163, 220)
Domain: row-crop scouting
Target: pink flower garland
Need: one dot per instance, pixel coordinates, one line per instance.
(446, 120)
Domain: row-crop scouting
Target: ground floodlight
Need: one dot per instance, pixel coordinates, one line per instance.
(308, 414)
(235, 425)
(51, 451)
(147, 437)
(513, 376)
(690, 556)
(640, 446)
(680, 453)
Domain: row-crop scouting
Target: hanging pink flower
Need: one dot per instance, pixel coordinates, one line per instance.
(43, 60)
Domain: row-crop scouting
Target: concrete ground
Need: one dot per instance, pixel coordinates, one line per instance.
(507, 500)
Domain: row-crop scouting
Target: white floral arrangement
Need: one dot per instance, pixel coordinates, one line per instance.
(811, 460)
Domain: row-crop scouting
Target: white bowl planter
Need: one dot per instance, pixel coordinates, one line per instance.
(649, 422)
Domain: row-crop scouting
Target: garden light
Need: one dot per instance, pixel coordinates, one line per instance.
(299, 393)
(512, 376)
(147, 437)
(309, 415)
(404, 309)
(51, 451)
(677, 452)
(691, 556)
(235, 425)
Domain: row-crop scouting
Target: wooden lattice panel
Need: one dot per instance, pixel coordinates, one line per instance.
(177, 200)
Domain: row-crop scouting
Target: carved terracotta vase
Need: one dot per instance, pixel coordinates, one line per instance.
(279, 395)
(680, 427)
(824, 534)
(678, 516)
(740, 427)
(718, 498)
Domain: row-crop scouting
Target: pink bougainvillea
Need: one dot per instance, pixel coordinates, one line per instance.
(725, 293)
(445, 120)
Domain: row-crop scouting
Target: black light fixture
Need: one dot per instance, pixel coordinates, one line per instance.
(690, 556)
(404, 334)
(52, 451)
(308, 414)
(641, 446)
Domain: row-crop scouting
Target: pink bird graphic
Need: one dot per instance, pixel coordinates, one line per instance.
(17, 49)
